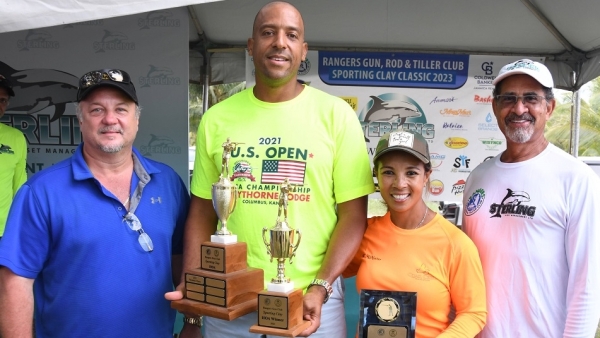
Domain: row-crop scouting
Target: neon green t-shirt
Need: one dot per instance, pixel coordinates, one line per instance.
(315, 140)
(13, 153)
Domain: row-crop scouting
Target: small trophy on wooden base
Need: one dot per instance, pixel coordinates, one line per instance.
(280, 307)
(223, 286)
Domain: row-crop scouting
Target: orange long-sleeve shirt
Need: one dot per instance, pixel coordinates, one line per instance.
(438, 261)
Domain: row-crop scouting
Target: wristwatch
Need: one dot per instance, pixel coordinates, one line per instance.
(325, 284)
(193, 320)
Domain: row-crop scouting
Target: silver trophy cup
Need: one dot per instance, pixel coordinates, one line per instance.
(224, 197)
(224, 194)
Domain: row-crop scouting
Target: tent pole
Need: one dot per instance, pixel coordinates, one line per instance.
(575, 124)
(205, 87)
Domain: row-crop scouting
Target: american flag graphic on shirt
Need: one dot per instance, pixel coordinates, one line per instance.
(275, 171)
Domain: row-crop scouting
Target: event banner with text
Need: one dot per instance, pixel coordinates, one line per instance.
(445, 97)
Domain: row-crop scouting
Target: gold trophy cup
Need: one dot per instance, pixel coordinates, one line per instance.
(223, 286)
(280, 306)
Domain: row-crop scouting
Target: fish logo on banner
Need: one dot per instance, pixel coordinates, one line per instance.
(160, 18)
(38, 89)
(159, 76)
(36, 38)
(392, 111)
(160, 145)
(113, 40)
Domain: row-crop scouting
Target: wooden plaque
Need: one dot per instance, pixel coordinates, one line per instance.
(280, 314)
(223, 258)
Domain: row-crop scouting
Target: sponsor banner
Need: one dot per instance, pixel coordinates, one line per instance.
(448, 71)
(455, 118)
(44, 66)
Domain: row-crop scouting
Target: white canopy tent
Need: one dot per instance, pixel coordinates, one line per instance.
(566, 32)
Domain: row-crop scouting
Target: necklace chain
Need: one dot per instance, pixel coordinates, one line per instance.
(421, 223)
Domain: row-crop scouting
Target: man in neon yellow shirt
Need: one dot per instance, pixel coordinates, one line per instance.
(13, 153)
(285, 129)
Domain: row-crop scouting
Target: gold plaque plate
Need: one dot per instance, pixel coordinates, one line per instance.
(273, 311)
(380, 331)
(212, 258)
(194, 279)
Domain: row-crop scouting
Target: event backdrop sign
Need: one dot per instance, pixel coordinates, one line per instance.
(445, 97)
(45, 64)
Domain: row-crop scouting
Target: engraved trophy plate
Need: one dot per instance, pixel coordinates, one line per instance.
(273, 311)
(212, 258)
(387, 314)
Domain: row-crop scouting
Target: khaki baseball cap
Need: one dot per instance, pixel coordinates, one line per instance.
(402, 140)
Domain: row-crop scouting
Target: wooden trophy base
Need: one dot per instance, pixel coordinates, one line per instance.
(224, 286)
(280, 314)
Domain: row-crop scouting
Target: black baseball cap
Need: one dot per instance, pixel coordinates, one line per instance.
(4, 83)
(106, 77)
(401, 140)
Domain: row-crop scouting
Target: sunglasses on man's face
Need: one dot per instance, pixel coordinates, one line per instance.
(98, 76)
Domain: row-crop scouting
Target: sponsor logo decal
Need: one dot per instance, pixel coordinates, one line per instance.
(455, 112)
(442, 99)
(436, 160)
(452, 126)
(461, 164)
(163, 145)
(112, 40)
(391, 111)
(436, 187)
(458, 187)
(483, 99)
(161, 76)
(513, 205)
(456, 142)
(487, 67)
(491, 143)
(484, 81)
(36, 38)
(304, 67)
(6, 149)
(160, 18)
(243, 171)
(474, 202)
(489, 125)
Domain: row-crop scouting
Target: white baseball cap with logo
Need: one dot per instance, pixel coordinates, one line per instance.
(528, 67)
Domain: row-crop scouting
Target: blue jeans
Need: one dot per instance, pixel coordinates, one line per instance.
(333, 320)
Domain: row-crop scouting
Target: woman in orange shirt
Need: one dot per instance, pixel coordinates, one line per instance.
(412, 248)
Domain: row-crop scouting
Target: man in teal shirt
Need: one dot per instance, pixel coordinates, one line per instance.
(13, 153)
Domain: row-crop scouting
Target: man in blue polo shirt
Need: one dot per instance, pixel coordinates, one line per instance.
(97, 232)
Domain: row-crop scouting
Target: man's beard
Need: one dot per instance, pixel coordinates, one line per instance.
(112, 148)
(519, 134)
